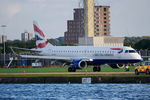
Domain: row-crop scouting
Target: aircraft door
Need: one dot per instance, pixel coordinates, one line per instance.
(119, 54)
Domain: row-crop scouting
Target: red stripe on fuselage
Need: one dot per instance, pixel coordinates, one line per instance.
(42, 45)
(36, 29)
(116, 49)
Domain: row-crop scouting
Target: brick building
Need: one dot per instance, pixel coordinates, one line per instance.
(75, 27)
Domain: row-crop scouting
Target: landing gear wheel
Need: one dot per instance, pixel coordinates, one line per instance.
(96, 69)
(71, 69)
(127, 68)
(136, 72)
(147, 72)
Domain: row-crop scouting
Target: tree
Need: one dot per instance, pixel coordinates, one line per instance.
(128, 44)
(20, 44)
(143, 44)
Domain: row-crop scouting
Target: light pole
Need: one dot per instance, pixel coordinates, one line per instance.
(3, 39)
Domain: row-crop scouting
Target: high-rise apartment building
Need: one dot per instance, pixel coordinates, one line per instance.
(102, 21)
(75, 27)
(0, 38)
(26, 36)
(3, 38)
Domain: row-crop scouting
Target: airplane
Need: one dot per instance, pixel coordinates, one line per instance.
(80, 57)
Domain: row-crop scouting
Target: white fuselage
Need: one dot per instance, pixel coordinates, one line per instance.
(91, 52)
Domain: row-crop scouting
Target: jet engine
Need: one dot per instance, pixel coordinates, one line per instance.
(117, 65)
(78, 64)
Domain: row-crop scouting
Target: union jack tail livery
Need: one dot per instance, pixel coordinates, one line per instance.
(41, 41)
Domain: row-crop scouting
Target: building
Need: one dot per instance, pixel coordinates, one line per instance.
(75, 27)
(26, 36)
(0, 38)
(102, 21)
(3, 38)
(88, 18)
(101, 41)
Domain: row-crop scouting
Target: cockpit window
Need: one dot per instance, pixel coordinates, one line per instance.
(130, 51)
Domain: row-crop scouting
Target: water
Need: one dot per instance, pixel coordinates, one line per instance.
(74, 91)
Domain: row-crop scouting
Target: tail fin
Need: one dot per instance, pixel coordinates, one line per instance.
(41, 41)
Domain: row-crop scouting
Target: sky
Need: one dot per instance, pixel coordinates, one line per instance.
(128, 17)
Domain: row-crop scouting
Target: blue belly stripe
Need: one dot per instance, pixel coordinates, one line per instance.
(117, 61)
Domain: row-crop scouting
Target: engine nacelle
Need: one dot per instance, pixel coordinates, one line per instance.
(78, 64)
(117, 65)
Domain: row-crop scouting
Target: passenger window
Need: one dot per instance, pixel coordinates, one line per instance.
(126, 51)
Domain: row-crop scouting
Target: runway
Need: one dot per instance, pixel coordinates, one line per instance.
(74, 74)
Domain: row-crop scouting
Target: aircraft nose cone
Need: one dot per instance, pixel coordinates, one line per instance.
(139, 57)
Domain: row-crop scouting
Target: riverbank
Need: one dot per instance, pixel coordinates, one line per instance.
(77, 77)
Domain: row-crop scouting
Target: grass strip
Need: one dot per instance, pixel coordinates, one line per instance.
(58, 69)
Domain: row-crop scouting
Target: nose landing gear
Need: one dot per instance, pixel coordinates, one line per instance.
(127, 68)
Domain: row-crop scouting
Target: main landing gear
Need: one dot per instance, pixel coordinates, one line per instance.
(70, 69)
(96, 69)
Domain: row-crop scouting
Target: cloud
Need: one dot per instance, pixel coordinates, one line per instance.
(39, 3)
(9, 9)
(13, 9)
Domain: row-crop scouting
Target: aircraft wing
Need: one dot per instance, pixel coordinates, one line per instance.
(34, 49)
(45, 57)
(68, 59)
(24, 51)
